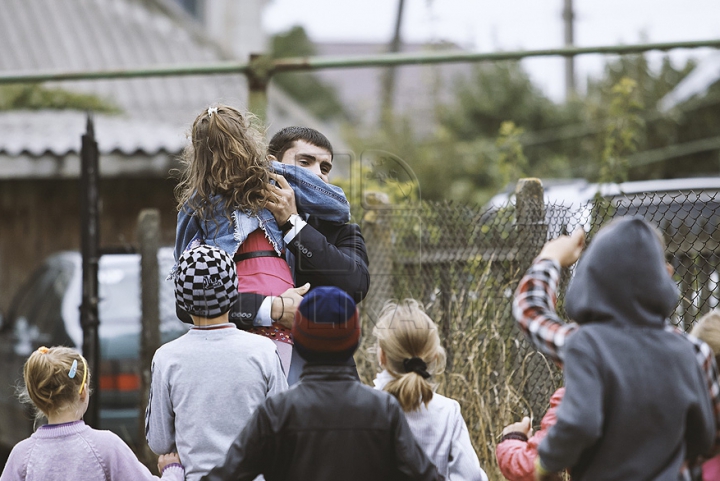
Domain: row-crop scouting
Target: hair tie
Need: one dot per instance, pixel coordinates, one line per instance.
(416, 365)
(43, 350)
(212, 110)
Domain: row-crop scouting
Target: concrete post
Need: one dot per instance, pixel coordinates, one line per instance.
(149, 241)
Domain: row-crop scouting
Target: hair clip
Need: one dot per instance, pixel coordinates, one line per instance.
(212, 110)
(73, 369)
(43, 350)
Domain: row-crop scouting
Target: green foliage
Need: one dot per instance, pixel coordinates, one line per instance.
(493, 94)
(379, 178)
(320, 98)
(38, 97)
(623, 130)
(512, 162)
(478, 146)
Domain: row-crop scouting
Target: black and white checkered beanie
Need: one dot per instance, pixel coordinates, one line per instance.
(206, 283)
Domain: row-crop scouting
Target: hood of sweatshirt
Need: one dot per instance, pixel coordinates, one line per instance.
(621, 278)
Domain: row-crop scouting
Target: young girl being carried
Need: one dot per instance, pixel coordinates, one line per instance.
(222, 195)
(56, 383)
(409, 351)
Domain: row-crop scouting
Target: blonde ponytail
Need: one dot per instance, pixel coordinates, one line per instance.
(48, 384)
(411, 348)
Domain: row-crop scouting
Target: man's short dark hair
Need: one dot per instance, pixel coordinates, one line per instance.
(285, 138)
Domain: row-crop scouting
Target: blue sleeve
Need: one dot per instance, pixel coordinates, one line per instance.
(313, 196)
(186, 231)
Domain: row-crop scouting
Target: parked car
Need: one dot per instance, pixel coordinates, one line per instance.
(45, 311)
(687, 212)
(672, 204)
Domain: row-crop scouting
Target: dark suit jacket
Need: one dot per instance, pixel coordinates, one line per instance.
(326, 254)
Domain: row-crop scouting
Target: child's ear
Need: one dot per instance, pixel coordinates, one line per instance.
(381, 357)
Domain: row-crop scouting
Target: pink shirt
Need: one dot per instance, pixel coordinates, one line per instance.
(516, 459)
(711, 469)
(269, 276)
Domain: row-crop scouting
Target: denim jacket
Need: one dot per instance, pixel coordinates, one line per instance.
(312, 197)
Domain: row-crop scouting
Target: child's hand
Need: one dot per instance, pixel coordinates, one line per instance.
(565, 249)
(520, 427)
(165, 459)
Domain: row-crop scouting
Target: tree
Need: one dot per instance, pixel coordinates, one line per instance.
(321, 99)
(39, 97)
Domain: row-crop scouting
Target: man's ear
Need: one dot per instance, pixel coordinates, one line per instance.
(271, 157)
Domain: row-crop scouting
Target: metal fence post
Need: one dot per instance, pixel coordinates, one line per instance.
(149, 240)
(89, 234)
(258, 76)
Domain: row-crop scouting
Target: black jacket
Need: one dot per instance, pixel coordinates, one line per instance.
(326, 254)
(327, 427)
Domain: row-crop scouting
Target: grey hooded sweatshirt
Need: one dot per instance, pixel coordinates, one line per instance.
(635, 404)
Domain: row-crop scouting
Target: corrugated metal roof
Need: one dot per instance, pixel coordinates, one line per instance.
(108, 34)
(111, 34)
(38, 133)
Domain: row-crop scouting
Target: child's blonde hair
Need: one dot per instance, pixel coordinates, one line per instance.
(707, 330)
(226, 158)
(408, 339)
(48, 382)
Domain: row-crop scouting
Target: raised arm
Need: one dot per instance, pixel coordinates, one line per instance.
(535, 302)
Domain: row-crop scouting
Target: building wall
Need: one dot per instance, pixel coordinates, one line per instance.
(39, 217)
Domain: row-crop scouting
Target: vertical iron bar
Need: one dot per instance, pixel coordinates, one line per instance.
(89, 178)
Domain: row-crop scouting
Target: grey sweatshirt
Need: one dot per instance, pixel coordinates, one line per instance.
(205, 386)
(635, 405)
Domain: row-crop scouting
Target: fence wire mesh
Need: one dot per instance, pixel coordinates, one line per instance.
(464, 263)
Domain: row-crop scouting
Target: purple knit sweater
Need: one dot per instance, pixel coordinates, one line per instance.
(75, 451)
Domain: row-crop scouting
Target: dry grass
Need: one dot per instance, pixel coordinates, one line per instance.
(493, 374)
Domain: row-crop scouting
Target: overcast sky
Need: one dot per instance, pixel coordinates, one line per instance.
(486, 26)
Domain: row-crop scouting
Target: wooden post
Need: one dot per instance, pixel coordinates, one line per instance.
(530, 214)
(149, 240)
(531, 236)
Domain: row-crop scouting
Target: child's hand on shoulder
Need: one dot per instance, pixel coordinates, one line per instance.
(565, 249)
(166, 459)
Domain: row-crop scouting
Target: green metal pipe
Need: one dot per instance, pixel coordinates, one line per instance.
(162, 71)
(387, 60)
(317, 63)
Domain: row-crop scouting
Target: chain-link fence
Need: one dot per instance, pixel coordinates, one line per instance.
(464, 263)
